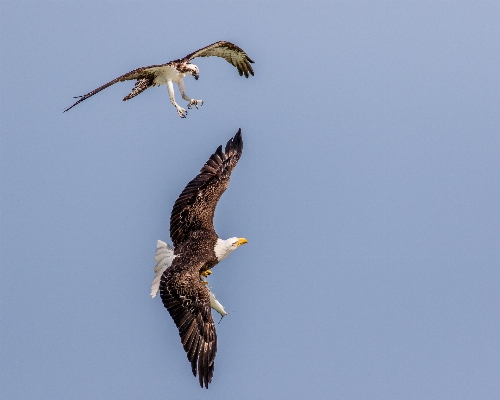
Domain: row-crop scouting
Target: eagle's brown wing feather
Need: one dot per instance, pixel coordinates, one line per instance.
(188, 302)
(195, 207)
(230, 52)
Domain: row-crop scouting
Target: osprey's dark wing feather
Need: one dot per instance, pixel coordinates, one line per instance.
(188, 302)
(145, 78)
(195, 207)
(230, 52)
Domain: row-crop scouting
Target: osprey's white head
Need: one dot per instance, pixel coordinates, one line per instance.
(224, 247)
(192, 70)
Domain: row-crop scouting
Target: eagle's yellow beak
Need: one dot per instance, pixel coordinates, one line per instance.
(241, 241)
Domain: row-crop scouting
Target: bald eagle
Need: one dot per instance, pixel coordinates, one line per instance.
(174, 71)
(163, 258)
(181, 270)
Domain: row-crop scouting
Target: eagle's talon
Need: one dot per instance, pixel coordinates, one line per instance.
(206, 273)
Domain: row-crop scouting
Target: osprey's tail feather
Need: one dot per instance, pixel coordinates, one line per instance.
(140, 86)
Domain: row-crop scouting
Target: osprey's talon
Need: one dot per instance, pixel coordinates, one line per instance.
(206, 273)
(194, 102)
(182, 112)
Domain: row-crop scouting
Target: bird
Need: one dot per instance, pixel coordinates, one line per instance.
(181, 270)
(163, 258)
(173, 72)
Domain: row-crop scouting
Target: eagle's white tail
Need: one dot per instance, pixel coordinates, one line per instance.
(164, 257)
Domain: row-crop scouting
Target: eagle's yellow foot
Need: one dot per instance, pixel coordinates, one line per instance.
(204, 282)
(206, 273)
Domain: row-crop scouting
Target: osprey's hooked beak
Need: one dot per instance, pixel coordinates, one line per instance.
(196, 76)
(241, 241)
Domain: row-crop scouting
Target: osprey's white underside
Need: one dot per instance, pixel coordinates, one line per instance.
(166, 75)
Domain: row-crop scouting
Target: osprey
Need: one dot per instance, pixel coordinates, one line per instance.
(181, 271)
(174, 71)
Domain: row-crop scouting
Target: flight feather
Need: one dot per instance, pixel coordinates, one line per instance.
(195, 207)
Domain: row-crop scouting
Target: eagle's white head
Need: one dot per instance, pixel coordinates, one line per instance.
(224, 247)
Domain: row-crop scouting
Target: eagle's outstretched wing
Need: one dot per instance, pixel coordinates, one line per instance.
(195, 207)
(230, 52)
(188, 302)
(145, 78)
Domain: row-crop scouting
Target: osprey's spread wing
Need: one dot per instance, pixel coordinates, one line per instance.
(230, 52)
(188, 302)
(145, 78)
(195, 207)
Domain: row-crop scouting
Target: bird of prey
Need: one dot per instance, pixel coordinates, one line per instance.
(173, 72)
(181, 271)
(163, 258)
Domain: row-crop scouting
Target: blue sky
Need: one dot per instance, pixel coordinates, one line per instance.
(369, 191)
